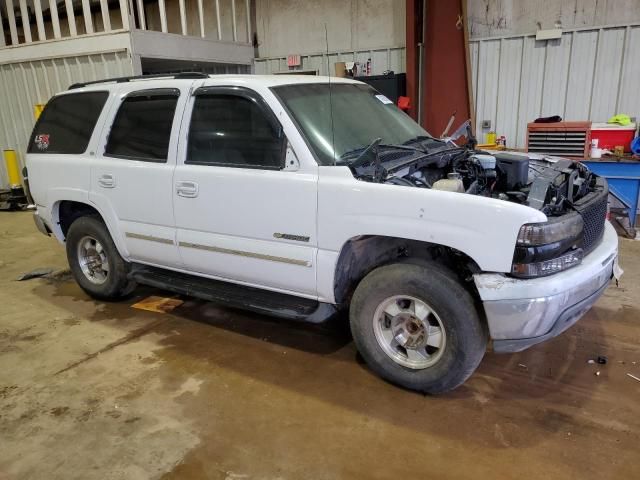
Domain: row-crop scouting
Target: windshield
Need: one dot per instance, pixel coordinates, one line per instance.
(360, 115)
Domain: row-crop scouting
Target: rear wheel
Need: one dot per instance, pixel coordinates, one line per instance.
(94, 260)
(416, 326)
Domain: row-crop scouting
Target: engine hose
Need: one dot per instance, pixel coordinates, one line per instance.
(473, 188)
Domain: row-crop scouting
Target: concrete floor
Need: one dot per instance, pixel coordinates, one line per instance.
(93, 390)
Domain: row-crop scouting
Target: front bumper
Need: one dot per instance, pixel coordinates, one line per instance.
(522, 313)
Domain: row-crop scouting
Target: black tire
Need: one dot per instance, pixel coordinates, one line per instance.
(117, 284)
(466, 338)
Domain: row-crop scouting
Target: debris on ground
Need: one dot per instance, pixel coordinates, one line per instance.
(602, 360)
(633, 376)
(37, 273)
(591, 361)
(61, 275)
(522, 365)
(158, 304)
(598, 373)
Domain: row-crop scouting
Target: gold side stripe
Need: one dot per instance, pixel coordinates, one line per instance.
(241, 253)
(150, 238)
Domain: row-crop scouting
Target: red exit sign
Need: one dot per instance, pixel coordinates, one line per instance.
(293, 60)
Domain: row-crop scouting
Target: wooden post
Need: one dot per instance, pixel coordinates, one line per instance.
(86, 13)
(163, 16)
(55, 21)
(11, 16)
(71, 18)
(26, 28)
(42, 36)
(106, 20)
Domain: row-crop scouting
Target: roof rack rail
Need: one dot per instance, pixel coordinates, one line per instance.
(183, 75)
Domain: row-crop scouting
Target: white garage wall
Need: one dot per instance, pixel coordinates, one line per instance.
(286, 27)
(356, 29)
(589, 74)
(25, 84)
(515, 17)
(381, 59)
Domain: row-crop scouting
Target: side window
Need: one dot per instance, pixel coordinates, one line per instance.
(233, 131)
(67, 123)
(142, 127)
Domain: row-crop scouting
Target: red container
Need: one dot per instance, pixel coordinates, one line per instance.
(611, 135)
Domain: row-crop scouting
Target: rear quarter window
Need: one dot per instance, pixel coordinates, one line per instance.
(67, 123)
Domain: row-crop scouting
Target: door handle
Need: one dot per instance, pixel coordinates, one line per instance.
(187, 189)
(107, 181)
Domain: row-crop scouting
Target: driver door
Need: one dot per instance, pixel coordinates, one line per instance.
(240, 214)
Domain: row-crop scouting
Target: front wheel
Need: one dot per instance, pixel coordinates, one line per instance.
(417, 327)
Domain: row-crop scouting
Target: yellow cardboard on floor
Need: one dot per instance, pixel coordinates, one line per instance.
(158, 304)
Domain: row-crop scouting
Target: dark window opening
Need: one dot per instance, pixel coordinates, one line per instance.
(67, 123)
(142, 127)
(233, 131)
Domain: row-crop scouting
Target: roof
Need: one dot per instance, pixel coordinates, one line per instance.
(277, 80)
(236, 79)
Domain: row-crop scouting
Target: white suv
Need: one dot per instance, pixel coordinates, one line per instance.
(302, 196)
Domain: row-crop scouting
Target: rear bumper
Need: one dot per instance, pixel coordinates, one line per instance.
(40, 224)
(522, 313)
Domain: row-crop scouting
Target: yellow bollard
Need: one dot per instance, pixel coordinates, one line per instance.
(13, 168)
(37, 110)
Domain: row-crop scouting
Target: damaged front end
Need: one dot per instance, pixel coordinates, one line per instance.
(573, 198)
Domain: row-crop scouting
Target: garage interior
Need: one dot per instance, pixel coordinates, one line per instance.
(160, 385)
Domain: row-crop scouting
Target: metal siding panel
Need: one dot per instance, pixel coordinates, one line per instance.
(260, 66)
(533, 55)
(579, 78)
(555, 76)
(315, 62)
(607, 74)
(22, 85)
(488, 70)
(583, 56)
(379, 62)
(629, 99)
(362, 57)
(509, 89)
(397, 60)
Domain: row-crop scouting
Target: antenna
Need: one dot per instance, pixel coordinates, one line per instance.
(333, 136)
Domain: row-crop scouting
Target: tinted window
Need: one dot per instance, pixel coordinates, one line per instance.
(67, 122)
(142, 127)
(233, 131)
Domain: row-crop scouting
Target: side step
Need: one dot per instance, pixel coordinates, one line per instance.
(232, 295)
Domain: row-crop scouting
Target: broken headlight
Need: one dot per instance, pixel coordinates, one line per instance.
(547, 248)
(547, 267)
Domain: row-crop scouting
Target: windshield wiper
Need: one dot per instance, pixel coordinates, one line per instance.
(365, 156)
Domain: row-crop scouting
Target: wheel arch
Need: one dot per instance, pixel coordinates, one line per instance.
(362, 254)
(65, 212)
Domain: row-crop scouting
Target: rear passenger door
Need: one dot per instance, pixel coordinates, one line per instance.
(241, 215)
(132, 174)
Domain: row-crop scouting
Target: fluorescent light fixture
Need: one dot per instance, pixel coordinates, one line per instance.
(551, 34)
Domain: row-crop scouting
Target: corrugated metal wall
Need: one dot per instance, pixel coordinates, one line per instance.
(588, 74)
(382, 59)
(23, 85)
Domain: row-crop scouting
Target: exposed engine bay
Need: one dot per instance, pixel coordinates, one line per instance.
(550, 185)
